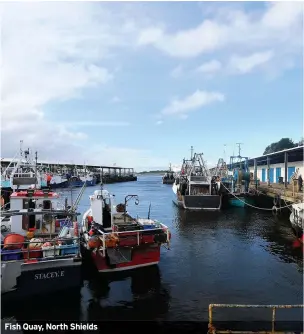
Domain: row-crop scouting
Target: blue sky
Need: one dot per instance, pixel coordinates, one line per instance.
(137, 84)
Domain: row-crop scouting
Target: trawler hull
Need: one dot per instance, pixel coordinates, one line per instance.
(168, 181)
(195, 202)
(40, 277)
(132, 258)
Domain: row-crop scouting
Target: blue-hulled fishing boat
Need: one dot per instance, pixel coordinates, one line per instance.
(235, 179)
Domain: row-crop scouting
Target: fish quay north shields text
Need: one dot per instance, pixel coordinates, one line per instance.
(50, 326)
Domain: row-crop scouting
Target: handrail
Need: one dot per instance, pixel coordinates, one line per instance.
(135, 233)
(212, 329)
(54, 246)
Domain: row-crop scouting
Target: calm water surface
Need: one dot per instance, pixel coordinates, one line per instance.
(237, 256)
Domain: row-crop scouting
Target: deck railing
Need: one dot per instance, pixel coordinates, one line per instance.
(25, 251)
(212, 329)
(163, 227)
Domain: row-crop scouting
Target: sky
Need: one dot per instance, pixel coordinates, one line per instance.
(136, 84)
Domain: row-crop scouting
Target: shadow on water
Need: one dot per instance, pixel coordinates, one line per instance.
(52, 307)
(134, 295)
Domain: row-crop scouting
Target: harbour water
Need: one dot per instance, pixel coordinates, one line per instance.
(237, 256)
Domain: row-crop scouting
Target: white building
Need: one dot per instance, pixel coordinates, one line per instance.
(279, 164)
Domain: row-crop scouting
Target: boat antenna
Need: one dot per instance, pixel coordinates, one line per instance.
(224, 152)
(239, 146)
(36, 158)
(191, 152)
(149, 211)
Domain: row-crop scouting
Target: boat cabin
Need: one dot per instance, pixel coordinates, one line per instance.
(101, 206)
(33, 200)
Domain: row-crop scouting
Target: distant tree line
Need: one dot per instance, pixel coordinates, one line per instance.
(282, 144)
(159, 171)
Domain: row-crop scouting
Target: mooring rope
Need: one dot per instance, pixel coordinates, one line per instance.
(253, 206)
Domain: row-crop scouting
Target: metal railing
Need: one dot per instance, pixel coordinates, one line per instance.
(212, 329)
(134, 233)
(27, 251)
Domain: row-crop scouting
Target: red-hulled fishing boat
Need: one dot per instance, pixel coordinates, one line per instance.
(115, 240)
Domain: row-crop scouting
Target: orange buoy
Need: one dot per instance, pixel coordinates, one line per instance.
(13, 241)
(94, 242)
(112, 240)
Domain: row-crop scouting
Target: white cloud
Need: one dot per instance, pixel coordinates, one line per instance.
(246, 64)
(92, 123)
(115, 99)
(210, 67)
(159, 122)
(150, 36)
(278, 27)
(198, 99)
(177, 71)
(51, 52)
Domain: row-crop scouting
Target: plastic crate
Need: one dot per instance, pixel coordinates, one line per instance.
(149, 227)
(11, 255)
(50, 252)
(32, 254)
(68, 249)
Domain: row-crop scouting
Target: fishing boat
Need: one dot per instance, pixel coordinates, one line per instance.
(169, 176)
(58, 181)
(22, 172)
(297, 219)
(40, 247)
(235, 179)
(79, 178)
(195, 189)
(115, 241)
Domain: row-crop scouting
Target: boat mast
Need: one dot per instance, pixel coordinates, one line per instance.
(191, 152)
(36, 176)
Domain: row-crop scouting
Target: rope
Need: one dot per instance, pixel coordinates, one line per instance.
(253, 206)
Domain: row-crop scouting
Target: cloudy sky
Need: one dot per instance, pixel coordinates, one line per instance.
(137, 84)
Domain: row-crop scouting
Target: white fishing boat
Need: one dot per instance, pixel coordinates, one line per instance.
(195, 189)
(297, 218)
(40, 248)
(22, 172)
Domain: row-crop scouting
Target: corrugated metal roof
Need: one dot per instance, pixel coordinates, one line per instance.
(298, 148)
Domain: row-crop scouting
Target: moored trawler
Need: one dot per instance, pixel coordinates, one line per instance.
(169, 176)
(194, 188)
(115, 241)
(40, 250)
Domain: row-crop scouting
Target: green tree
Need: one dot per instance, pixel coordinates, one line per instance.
(280, 145)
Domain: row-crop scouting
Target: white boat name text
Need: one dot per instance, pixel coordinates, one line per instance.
(53, 274)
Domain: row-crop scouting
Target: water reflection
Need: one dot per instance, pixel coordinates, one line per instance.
(134, 295)
(55, 306)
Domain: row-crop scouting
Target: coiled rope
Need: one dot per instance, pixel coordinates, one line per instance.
(274, 208)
